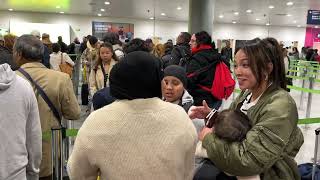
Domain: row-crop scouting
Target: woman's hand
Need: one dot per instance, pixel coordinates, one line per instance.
(204, 132)
(199, 112)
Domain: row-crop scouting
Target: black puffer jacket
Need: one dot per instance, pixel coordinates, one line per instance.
(6, 57)
(198, 61)
(178, 52)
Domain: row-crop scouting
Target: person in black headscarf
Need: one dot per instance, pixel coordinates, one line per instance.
(150, 138)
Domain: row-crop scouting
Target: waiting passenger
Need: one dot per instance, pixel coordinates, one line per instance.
(6, 52)
(202, 56)
(89, 56)
(173, 87)
(181, 49)
(46, 55)
(20, 130)
(57, 57)
(135, 44)
(166, 58)
(149, 44)
(28, 52)
(139, 136)
(63, 46)
(113, 38)
(274, 139)
(158, 50)
(47, 42)
(100, 74)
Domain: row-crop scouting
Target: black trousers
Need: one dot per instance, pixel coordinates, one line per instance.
(208, 171)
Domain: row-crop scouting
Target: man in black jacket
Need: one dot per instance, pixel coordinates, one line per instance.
(181, 50)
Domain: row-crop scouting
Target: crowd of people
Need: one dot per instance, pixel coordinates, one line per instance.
(149, 119)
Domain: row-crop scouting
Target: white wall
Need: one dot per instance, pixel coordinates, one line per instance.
(247, 32)
(82, 25)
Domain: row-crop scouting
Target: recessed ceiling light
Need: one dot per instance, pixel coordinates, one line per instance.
(58, 7)
(102, 10)
(236, 13)
(163, 14)
(289, 15)
(234, 22)
(268, 24)
(271, 7)
(10, 9)
(299, 26)
(61, 12)
(179, 8)
(294, 21)
(221, 16)
(316, 27)
(289, 3)
(99, 14)
(258, 19)
(107, 3)
(249, 11)
(151, 18)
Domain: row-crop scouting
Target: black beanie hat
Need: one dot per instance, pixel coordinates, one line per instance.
(138, 75)
(178, 72)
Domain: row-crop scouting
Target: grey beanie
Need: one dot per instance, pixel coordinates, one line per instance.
(178, 72)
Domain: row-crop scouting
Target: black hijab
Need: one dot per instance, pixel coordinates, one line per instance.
(138, 75)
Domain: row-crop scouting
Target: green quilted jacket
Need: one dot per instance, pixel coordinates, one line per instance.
(269, 147)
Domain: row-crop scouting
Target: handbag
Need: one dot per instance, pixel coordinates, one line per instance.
(65, 67)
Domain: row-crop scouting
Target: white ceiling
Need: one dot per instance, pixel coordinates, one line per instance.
(139, 9)
(260, 10)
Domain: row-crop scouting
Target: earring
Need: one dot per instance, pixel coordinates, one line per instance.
(266, 78)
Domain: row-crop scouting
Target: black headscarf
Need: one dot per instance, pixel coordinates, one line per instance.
(138, 75)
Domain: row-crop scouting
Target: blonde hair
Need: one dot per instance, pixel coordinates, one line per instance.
(9, 41)
(159, 50)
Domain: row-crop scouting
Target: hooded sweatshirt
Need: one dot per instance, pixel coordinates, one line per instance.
(20, 129)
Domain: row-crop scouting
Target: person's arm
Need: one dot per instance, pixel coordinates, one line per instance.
(69, 105)
(33, 139)
(263, 145)
(68, 59)
(79, 166)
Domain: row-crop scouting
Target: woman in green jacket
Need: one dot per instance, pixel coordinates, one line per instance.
(274, 140)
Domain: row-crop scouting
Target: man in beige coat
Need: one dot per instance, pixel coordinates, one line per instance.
(28, 52)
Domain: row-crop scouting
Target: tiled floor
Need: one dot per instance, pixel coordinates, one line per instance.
(307, 150)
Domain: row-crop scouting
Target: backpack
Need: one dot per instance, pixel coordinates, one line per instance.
(184, 59)
(223, 84)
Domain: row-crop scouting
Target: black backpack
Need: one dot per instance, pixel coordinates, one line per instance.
(184, 58)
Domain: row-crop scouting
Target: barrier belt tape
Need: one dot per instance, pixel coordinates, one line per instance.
(69, 133)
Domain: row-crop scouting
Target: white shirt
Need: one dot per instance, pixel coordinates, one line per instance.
(55, 60)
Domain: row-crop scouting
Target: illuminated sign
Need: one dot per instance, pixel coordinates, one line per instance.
(40, 4)
(313, 17)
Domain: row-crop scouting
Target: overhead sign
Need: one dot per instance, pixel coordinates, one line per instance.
(313, 17)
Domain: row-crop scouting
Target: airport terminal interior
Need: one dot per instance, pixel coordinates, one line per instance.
(93, 89)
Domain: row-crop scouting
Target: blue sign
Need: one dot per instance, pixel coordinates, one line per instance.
(313, 17)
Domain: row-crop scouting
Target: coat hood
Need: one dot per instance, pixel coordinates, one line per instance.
(186, 98)
(7, 76)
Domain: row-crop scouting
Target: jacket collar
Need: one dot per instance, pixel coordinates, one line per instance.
(264, 96)
(33, 65)
(200, 48)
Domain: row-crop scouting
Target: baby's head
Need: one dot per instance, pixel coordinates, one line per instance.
(231, 125)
